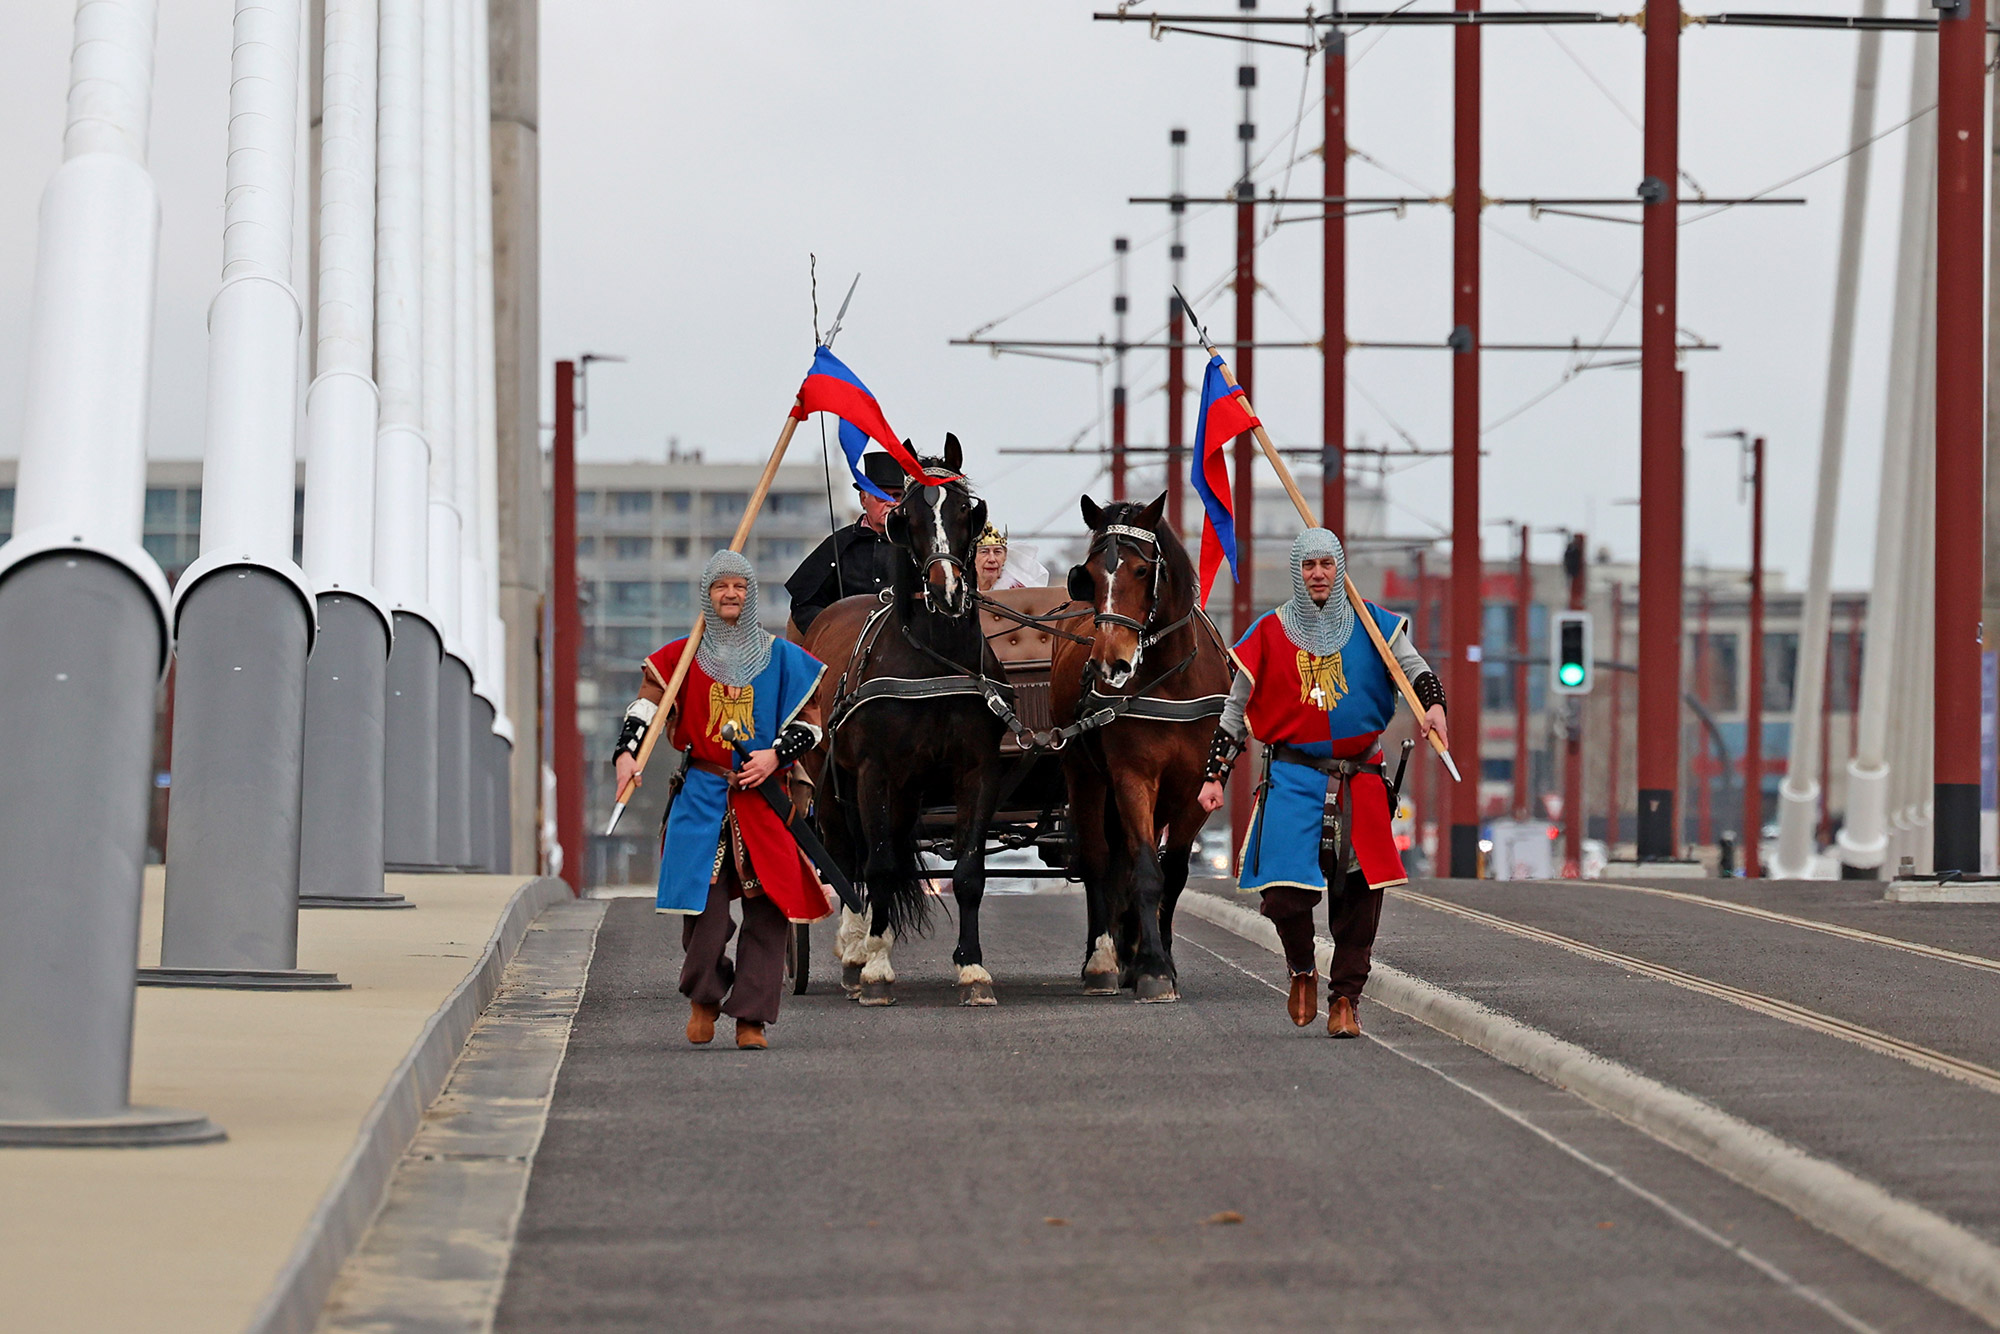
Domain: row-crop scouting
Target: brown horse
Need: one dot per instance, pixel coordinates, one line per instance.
(897, 750)
(1133, 782)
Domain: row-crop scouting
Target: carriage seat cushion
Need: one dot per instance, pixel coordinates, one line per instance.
(1016, 643)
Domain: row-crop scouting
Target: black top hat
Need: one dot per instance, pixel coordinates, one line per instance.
(884, 471)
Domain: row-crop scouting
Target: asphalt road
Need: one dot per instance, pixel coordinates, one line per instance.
(1925, 1136)
(1068, 1163)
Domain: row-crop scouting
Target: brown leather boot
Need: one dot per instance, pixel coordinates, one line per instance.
(750, 1036)
(1341, 1019)
(1303, 1004)
(701, 1022)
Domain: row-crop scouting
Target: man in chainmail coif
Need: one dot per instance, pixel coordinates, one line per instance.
(722, 842)
(1316, 692)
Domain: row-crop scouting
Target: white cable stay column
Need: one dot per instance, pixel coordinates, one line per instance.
(402, 455)
(1799, 795)
(498, 741)
(244, 612)
(445, 522)
(1864, 836)
(83, 622)
(465, 473)
(341, 809)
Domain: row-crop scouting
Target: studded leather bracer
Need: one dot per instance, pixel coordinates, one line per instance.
(1430, 690)
(794, 741)
(638, 714)
(1222, 753)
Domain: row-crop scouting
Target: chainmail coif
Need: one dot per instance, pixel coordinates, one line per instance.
(732, 654)
(1318, 630)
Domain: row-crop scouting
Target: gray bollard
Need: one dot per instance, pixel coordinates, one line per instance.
(232, 905)
(80, 649)
(479, 758)
(454, 763)
(341, 800)
(410, 748)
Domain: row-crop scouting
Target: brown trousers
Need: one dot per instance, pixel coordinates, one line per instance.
(1352, 918)
(751, 987)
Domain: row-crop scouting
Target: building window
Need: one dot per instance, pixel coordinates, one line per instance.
(163, 508)
(630, 502)
(586, 502)
(191, 508)
(6, 512)
(675, 598)
(586, 546)
(1720, 692)
(1843, 671)
(772, 549)
(1781, 670)
(726, 504)
(680, 548)
(792, 502)
(166, 549)
(1496, 770)
(631, 642)
(631, 597)
(631, 548)
(674, 502)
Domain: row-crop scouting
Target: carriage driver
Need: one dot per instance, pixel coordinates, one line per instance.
(722, 840)
(856, 559)
(1316, 693)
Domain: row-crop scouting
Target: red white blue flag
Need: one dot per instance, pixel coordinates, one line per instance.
(831, 387)
(1225, 414)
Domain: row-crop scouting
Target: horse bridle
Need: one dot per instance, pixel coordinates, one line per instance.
(1107, 540)
(937, 558)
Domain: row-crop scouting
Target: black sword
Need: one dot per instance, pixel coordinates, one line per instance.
(773, 791)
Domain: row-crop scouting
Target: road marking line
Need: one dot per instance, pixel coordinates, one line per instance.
(1924, 1058)
(1978, 961)
(1803, 1291)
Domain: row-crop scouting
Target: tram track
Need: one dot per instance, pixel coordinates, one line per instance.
(1979, 1076)
(1855, 934)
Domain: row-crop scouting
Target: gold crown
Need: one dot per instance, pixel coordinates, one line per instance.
(992, 537)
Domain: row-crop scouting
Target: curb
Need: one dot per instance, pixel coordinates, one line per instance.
(336, 1226)
(1923, 1246)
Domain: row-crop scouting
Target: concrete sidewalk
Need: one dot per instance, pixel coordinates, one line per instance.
(201, 1238)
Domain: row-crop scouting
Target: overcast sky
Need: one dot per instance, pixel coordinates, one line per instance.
(967, 160)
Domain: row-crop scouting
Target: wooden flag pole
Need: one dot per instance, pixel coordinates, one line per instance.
(1396, 672)
(656, 728)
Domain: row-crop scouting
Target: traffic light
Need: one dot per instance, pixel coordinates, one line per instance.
(1569, 653)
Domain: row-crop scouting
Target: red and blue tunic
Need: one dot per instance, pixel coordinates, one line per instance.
(1332, 706)
(694, 823)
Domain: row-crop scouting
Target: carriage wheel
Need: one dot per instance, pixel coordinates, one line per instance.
(798, 957)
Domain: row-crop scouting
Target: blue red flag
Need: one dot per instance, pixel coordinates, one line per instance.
(831, 387)
(1225, 414)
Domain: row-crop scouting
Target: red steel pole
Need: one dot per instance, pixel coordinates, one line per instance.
(1573, 817)
(568, 618)
(1523, 594)
(1704, 759)
(1333, 385)
(1753, 712)
(1243, 603)
(1176, 404)
(1467, 594)
(1613, 742)
(1661, 469)
(1961, 228)
(1118, 440)
(1423, 786)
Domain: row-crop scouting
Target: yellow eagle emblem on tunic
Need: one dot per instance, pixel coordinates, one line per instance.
(730, 704)
(1322, 681)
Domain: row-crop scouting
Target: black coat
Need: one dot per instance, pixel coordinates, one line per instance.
(867, 564)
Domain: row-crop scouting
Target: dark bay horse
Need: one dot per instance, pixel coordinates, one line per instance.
(894, 749)
(1133, 783)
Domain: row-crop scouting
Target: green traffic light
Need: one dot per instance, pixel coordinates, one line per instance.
(1570, 673)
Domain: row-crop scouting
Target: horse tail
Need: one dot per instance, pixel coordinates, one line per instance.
(905, 900)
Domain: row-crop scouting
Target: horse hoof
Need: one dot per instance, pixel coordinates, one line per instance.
(977, 993)
(850, 978)
(877, 993)
(1158, 991)
(1100, 984)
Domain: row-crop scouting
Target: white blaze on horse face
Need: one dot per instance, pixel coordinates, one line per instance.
(1120, 665)
(941, 559)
